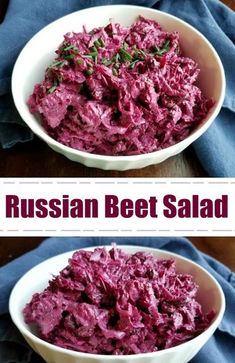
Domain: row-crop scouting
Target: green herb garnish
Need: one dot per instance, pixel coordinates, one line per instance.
(69, 57)
(93, 54)
(86, 56)
(164, 49)
(52, 89)
(136, 54)
(70, 46)
(93, 48)
(58, 64)
(115, 72)
(106, 62)
(132, 65)
(117, 58)
(55, 84)
(102, 43)
(125, 56)
(89, 71)
(97, 43)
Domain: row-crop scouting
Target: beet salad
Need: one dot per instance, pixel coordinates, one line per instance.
(119, 90)
(114, 303)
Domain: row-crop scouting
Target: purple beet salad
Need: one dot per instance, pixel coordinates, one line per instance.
(111, 302)
(120, 90)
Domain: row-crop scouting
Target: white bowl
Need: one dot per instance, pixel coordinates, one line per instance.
(39, 53)
(210, 295)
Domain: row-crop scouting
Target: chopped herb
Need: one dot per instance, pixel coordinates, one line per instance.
(59, 79)
(113, 59)
(71, 46)
(115, 72)
(102, 43)
(94, 48)
(164, 49)
(69, 57)
(132, 65)
(117, 58)
(86, 56)
(106, 62)
(155, 48)
(125, 56)
(136, 54)
(52, 89)
(79, 61)
(55, 84)
(58, 64)
(99, 43)
(93, 54)
(89, 71)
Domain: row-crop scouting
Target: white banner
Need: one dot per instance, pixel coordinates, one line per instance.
(117, 207)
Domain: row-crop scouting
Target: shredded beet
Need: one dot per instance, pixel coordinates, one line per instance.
(110, 302)
(120, 91)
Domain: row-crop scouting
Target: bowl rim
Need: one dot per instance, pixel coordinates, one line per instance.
(212, 114)
(32, 337)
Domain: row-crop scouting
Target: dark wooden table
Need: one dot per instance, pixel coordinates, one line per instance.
(221, 248)
(36, 159)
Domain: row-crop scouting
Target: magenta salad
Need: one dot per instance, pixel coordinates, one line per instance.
(111, 302)
(119, 90)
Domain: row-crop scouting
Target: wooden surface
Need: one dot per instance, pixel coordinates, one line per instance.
(230, 3)
(221, 248)
(36, 159)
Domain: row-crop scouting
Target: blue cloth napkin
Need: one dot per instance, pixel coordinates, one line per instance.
(221, 346)
(215, 149)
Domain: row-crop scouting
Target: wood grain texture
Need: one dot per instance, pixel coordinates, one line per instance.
(229, 3)
(36, 159)
(221, 248)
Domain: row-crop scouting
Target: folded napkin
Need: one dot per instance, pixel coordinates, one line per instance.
(220, 348)
(215, 149)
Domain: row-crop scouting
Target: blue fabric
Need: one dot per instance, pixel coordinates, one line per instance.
(215, 149)
(220, 348)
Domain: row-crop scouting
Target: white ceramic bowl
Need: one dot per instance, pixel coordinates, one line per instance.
(39, 53)
(210, 295)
